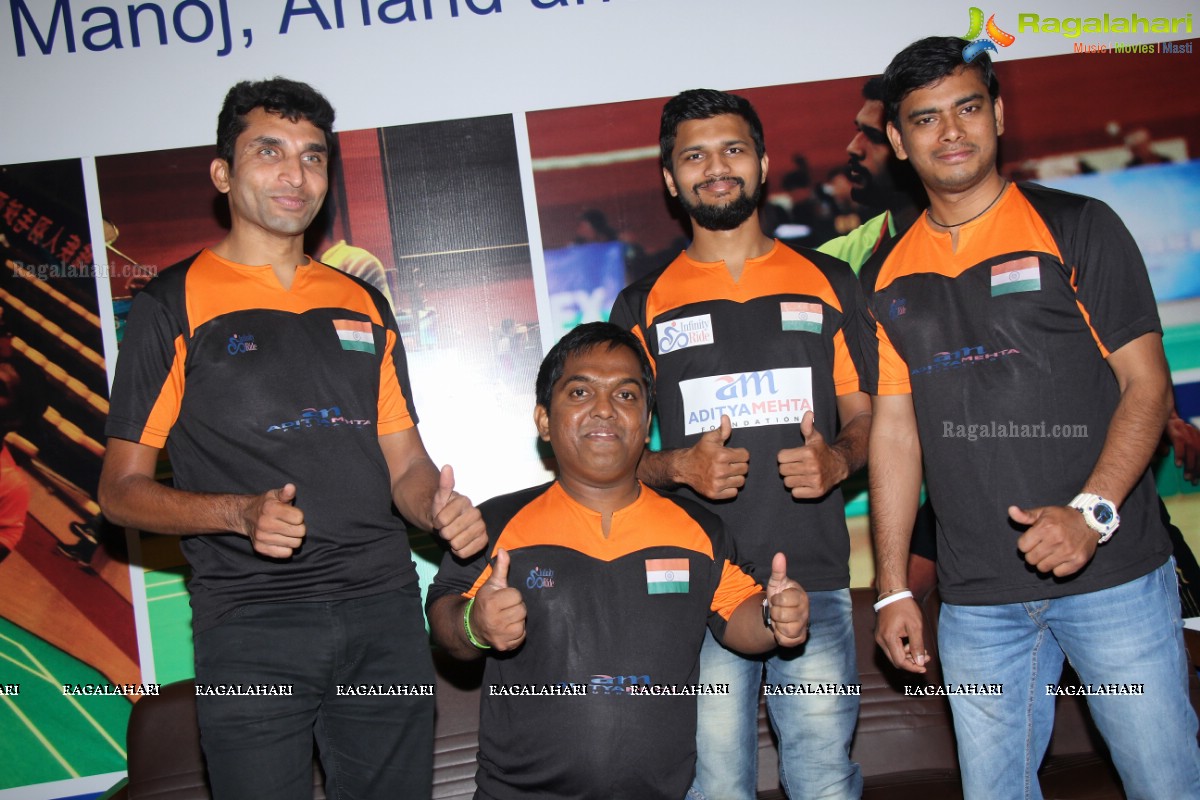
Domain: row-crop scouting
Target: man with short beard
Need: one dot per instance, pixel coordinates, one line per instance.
(747, 333)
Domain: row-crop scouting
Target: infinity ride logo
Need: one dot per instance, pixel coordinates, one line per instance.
(995, 36)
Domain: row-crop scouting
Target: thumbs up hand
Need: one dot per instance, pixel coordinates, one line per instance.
(272, 522)
(498, 615)
(712, 469)
(814, 468)
(788, 605)
(455, 518)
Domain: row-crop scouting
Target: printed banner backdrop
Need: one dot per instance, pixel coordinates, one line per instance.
(598, 176)
(66, 606)
(452, 288)
(500, 181)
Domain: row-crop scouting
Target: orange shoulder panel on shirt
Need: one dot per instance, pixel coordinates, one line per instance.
(553, 519)
(735, 588)
(393, 408)
(1013, 226)
(211, 290)
(845, 375)
(1087, 318)
(781, 271)
(650, 356)
(893, 371)
(166, 406)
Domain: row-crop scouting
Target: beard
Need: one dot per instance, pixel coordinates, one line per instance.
(867, 188)
(726, 216)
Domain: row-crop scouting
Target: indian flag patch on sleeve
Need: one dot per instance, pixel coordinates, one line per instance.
(802, 316)
(1021, 275)
(355, 335)
(666, 575)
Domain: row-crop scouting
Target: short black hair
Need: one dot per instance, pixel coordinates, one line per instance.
(289, 99)
(927, 61)
(705, 104)
(873, 88)
(582, 339)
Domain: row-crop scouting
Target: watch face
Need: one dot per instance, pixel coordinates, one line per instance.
(1103, 513)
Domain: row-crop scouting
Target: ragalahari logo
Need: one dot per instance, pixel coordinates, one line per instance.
(994, 37)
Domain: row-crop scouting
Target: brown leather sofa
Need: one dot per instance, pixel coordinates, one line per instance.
(905, 744)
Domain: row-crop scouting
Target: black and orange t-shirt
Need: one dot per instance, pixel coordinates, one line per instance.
(1002, 344)
(780, 341)
(251, 387)
(617, 616)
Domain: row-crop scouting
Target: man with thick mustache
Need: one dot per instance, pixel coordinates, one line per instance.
(887, 186)
(748, 334)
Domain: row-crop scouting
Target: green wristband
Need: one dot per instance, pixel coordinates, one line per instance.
(467, 627)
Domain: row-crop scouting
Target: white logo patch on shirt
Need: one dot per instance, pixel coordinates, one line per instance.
(750, 399)
(684, 332)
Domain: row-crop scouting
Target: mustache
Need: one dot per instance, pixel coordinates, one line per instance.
(698, 186)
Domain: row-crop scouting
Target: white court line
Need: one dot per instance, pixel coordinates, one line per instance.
(25, 667)
(170, 581)
(184, 593)
(41, 737)
(48, 676)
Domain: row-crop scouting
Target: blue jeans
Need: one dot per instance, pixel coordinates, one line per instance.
(1128, 634)
(372, 747)
(814, 730)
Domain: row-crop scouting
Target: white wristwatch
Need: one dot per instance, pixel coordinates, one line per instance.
(1099, 514)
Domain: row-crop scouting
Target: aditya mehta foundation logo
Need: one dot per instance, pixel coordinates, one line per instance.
(994, 36)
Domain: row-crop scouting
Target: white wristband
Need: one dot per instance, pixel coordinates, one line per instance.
(891, 598)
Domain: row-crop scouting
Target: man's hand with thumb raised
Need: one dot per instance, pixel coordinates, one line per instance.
(498, 615)
(710, 468)
(788, 605)
(814, 468)
(272, 522)
(455, 518)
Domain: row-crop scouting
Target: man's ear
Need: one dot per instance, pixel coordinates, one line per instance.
(219, 171)
(669, 179)
(762, 163)
(998, 109)
(541, 418)
(893, 135)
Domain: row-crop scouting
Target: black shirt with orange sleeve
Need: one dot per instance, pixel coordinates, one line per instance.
(780, 341)
(1002, 344)
(616, 616)
(251, 387)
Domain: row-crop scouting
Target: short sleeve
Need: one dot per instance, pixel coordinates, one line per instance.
(732, 585)
(396, 411)
(851, 369)
(148, 386)
(1110, 280)
(461, 578)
